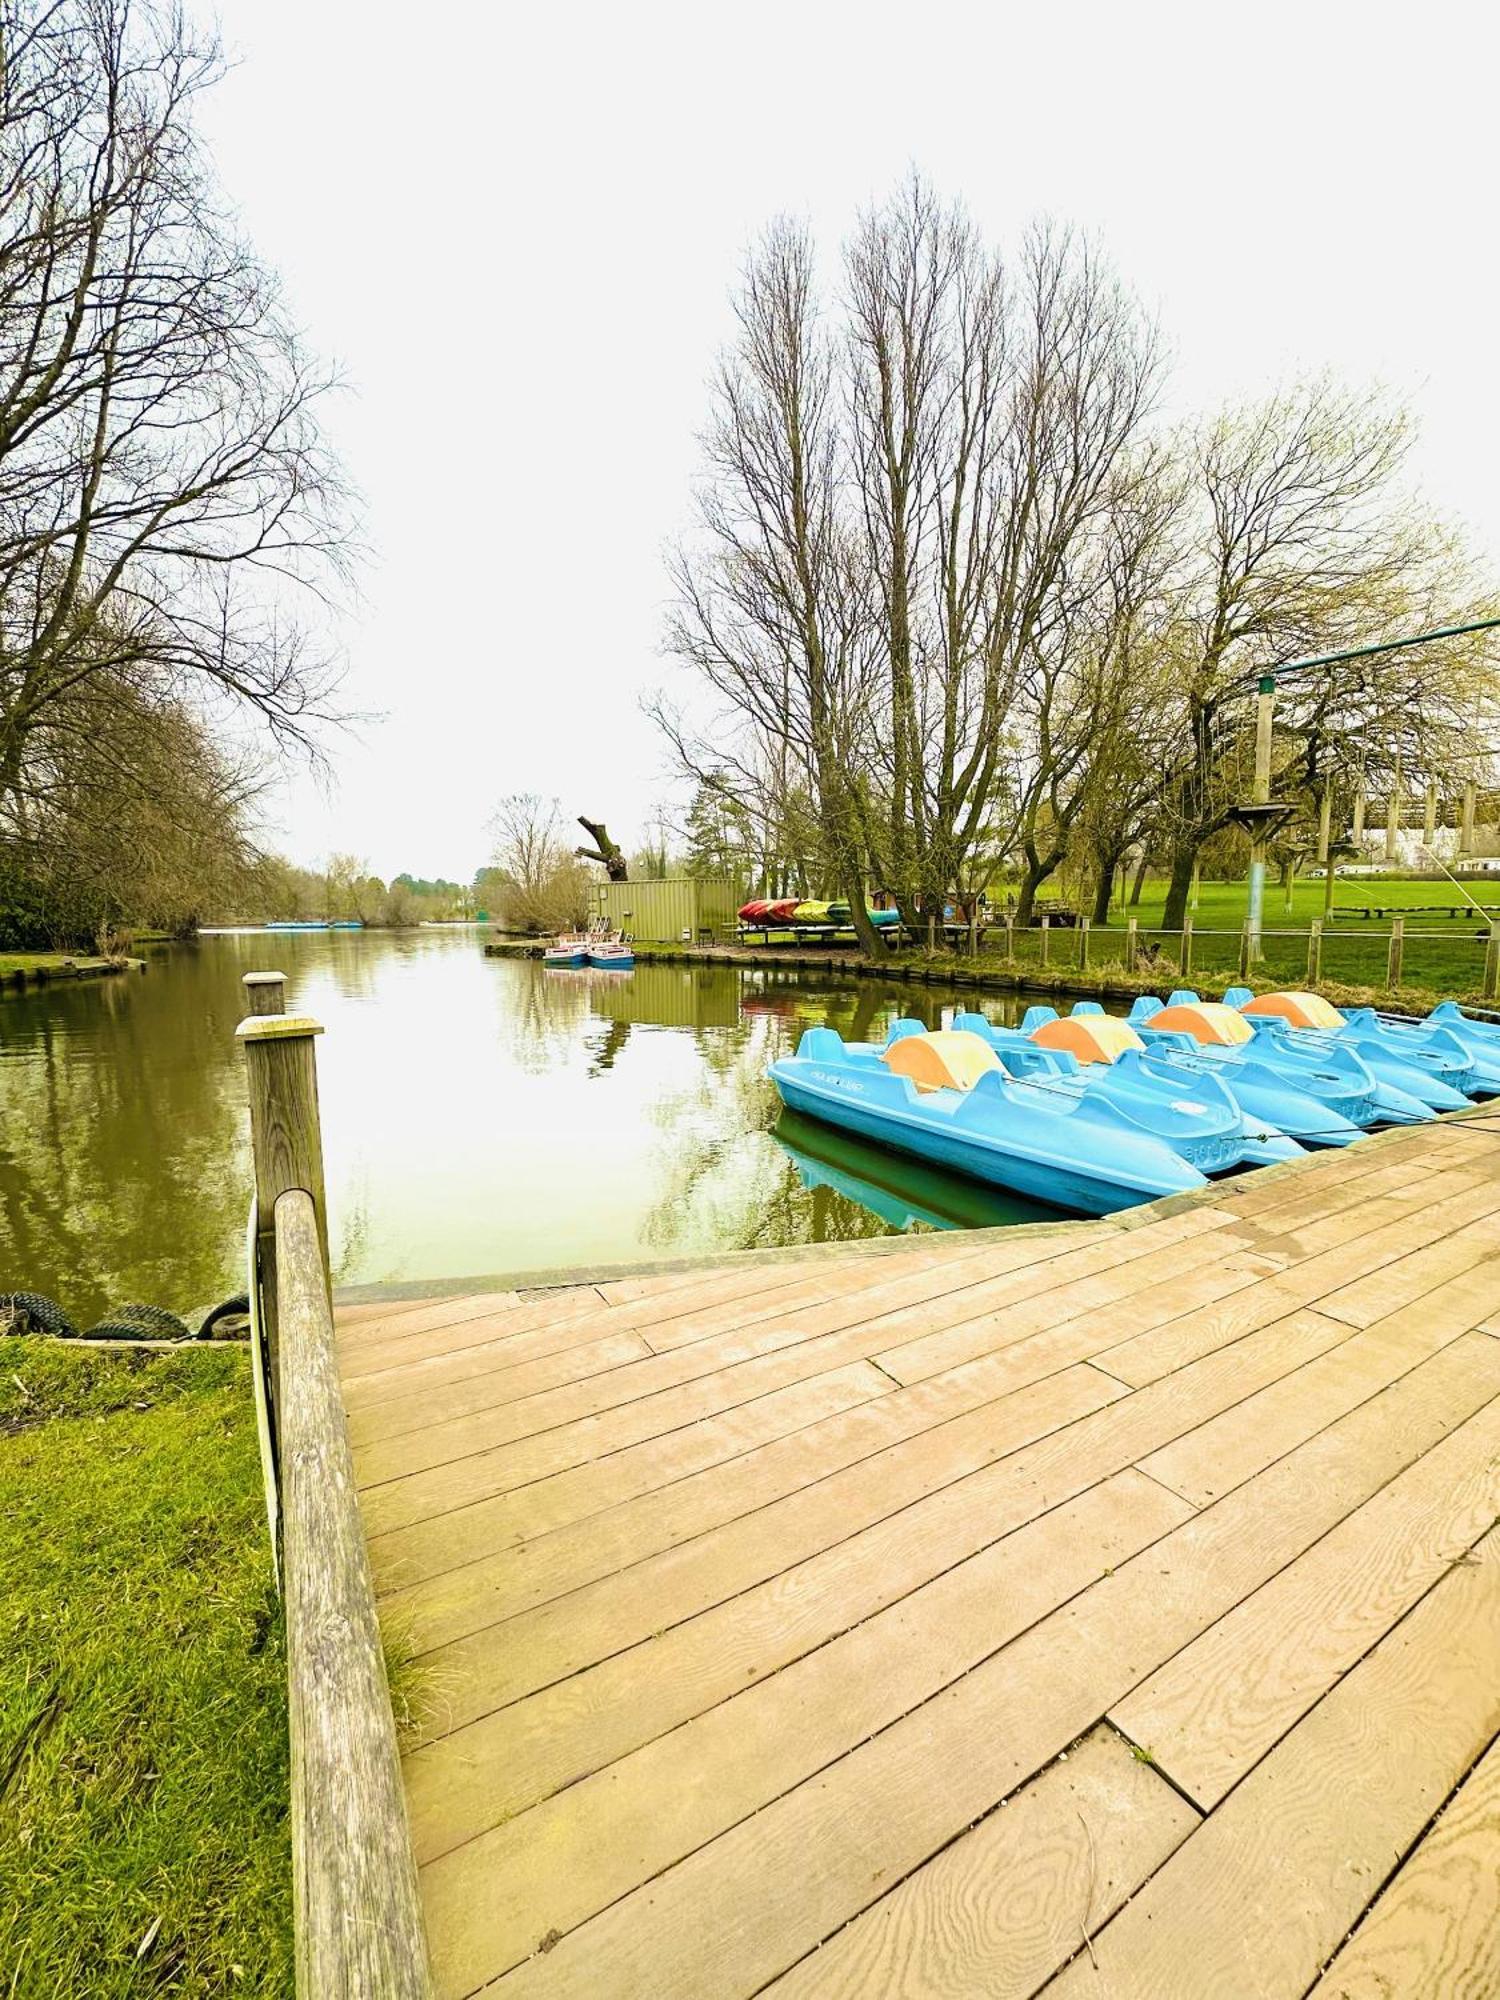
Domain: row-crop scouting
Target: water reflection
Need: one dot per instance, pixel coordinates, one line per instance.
(479, 1116)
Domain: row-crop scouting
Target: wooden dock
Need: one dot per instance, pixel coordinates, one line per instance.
(1112, 1610)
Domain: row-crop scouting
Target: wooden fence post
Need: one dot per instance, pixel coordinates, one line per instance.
(265, 992)
(1083, 944)
(1247, 948)
(1046, 937)
(1314, 953)
(1394, 950)
(1132, 943)
(1492, 962)
(1010, 938)
(1187, 948)
(287, 1143)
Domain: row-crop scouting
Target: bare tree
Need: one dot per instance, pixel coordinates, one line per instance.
(546, 888)
(162, 473)
(1298, 541)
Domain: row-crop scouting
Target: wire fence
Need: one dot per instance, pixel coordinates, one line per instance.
(1462, 957)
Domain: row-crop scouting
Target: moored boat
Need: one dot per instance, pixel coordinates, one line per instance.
(1185, 1104)
(566, 952)
(946, 1098)
(1459, 1056)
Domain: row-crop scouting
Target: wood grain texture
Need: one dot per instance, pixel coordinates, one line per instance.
(1213, 1711)
(359, 1928)
(995, 1914)
(730, 1917)
(1261, 1895)
(492, 1898)
(1434, 1934)
(505, 1760)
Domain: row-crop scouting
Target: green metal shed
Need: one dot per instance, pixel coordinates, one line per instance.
(681, 910)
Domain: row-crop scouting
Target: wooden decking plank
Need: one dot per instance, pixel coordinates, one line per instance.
(1375, 1296)
(723, 1298)
(1427, 1194)
(914, 1482)
(995, 1914)
(732, 1915)
(501, 1583)
(1224, 1450)
(1434, 1933)
(1140, 1294)
(1254, 1902)
(529, 1514)
(498, 1583)
(506, 1760)
(355, 1319)
(1215, 1709)
(838, 1302)
(532, 1375)
(490, 1900)
(713, 1359)
(1146, 1356)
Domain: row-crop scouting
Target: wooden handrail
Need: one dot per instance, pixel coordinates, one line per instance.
(359, 1929)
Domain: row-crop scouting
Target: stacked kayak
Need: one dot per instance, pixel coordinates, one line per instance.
(948, 1098)
(791, 914)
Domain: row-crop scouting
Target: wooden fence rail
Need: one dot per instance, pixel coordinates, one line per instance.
(357, 1908)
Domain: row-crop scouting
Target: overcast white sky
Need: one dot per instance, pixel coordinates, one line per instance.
(515, 229)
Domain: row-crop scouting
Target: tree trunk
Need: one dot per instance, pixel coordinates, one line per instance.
(1038, 868)
(1180, 884)
(603, 851)
(1140, 881)
(1104, 887)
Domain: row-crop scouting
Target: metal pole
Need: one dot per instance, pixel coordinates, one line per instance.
(1265, 701)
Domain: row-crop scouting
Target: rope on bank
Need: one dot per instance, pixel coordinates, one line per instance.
(32, 1312)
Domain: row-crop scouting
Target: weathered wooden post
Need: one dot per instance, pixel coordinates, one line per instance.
(1492, 962)
(1187, 948)
(287, 1143)
(1314, 953)
(1132, 943)
(265, 992)
(1394, 951)
(1010, 938)
(1083, 944)
(1248, 941)
(1046, 937)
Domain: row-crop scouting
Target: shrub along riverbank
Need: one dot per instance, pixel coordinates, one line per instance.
(143, 1749)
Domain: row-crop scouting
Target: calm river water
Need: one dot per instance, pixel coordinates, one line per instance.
(479, 1116)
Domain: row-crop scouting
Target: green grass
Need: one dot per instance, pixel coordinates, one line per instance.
(143, 1761)
(49, 964)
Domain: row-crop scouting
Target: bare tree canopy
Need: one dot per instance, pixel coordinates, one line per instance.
(960, 602)
(163, 479)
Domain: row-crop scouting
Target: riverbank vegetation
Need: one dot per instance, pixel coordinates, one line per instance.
(143, 1758)
(166, 491)
(963, 605)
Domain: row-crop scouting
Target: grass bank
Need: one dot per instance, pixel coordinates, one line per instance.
(20, 968)
(143, 1761)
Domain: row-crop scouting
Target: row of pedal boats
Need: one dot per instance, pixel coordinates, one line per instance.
(1093, 1112)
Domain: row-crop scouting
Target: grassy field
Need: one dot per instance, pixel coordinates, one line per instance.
(143, 1763)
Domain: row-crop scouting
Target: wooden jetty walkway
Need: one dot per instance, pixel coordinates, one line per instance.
(1107, 1610)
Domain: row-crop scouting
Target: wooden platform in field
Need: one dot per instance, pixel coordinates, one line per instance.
(1113, 1611)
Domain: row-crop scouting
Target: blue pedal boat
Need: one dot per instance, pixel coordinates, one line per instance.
(1181, 1103)
(1323, 1093)
(946, 1098)
(1428, 1063)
